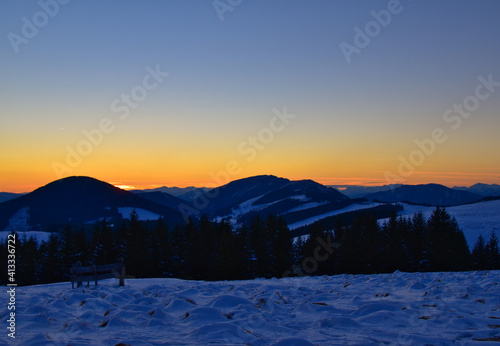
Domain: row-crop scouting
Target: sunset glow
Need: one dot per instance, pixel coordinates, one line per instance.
(149, 94)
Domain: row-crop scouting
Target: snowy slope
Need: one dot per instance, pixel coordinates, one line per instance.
(392, 309)
(352, 207)
(142, 213)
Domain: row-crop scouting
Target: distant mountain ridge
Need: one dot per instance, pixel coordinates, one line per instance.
(485, 190)
(7, 196)
(185, 193)
(427, 194)
(301, 202)
(162, 198)
(356, 191)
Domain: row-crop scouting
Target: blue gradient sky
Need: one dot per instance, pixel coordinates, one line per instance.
(355, 122)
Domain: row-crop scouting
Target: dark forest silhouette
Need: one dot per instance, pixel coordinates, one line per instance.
(205, 250)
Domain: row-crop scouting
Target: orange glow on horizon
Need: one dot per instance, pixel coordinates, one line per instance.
(449, 179)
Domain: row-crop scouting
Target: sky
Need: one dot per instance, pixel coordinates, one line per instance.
(150, 93)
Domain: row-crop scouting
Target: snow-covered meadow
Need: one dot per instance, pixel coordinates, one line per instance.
(400, 308)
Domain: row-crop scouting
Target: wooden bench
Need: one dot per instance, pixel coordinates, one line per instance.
(94, 273)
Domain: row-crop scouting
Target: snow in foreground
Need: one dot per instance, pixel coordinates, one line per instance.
(400, 308)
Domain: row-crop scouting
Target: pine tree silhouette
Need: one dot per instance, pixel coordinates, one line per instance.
(479, 254)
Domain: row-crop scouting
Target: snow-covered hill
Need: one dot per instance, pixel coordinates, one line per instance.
(391, 309)
(75, 201)
(243, 199)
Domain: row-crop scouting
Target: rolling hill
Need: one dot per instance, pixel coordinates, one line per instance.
(76, 200)
(242, 199)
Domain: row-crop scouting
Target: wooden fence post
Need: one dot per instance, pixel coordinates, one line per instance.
(95, 274)
(78, 265)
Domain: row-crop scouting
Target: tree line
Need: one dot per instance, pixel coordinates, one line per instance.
(205, 250)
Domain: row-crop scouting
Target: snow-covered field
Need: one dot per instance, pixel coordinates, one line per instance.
(399, 308)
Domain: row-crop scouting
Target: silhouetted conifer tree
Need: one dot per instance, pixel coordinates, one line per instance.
(260, 248)
(27, 261)
(178, 245)
(137, 246)
(50, 258)
(417, 243)
(361, 249)
(243, 252)
(318, 256)
(393, 244)
(160, 249)
(227, 259)
(448, 250)
(479, 254)
(493, 254)
(281, 245)
(69, 254)
(121, 242)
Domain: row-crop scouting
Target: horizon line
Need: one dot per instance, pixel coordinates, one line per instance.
(333, 182)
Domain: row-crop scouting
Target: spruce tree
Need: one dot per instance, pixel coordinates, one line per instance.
(103, 250)
(448, 250)
(360, 251)
(136, 246)
(227, 257)
(27, 272)
(68, 248)
(260, 248)
(177, 265)
(50, 258)
(243, 252)
(417, 243)
(492, 252)
(393, 244)
(282, 248)
(160, 249)
(479, 254)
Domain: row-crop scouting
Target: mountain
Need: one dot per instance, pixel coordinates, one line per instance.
(485, 190)
(429, 194)
(77, 200)
(236, 192)
(162, 198)
(354, 191)
(192, 193)
(185, 193)
(7, 196)
(242, 199)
